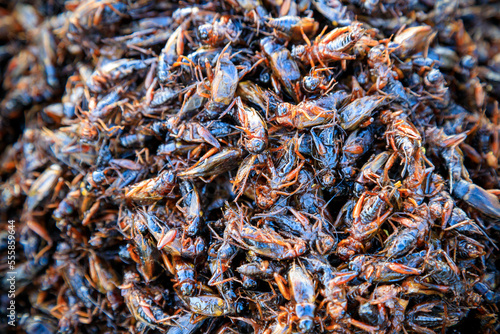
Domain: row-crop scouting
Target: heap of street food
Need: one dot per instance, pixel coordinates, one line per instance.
(251, 166)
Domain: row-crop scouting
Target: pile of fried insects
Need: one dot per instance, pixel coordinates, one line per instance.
(250, 166)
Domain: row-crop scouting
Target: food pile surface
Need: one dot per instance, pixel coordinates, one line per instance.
(250, 166)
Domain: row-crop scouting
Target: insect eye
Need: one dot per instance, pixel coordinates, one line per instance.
(204, 31)
(265, 77)
(311, 83)
(282, 110)
(434, 76)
